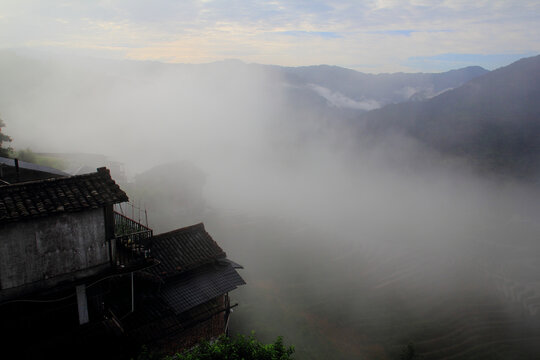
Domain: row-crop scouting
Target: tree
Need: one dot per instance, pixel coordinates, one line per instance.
(4, 151)
(237, 348)
(27, 155)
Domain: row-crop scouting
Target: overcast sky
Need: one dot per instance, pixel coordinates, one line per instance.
(370, 36)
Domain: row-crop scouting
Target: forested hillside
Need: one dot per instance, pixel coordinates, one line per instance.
(493, 120)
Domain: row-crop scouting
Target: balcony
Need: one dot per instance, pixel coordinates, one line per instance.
(132, 239)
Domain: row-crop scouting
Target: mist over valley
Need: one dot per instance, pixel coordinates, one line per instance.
(369, 211)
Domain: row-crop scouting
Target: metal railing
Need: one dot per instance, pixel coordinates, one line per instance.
(132, 240)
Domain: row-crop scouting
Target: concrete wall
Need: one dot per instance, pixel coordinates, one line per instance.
(40, 250)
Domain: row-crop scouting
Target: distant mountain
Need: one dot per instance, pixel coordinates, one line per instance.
(352, 89)
(347, 91)
(321, 86)
(493, 120)
(292, 105)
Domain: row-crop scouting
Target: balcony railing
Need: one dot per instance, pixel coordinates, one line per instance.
(132, 239)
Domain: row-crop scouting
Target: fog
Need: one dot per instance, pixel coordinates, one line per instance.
(352, 248)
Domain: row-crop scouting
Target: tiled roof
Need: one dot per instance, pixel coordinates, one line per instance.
(56, 196)
(200, 286)
(193, 272)
(183, 249)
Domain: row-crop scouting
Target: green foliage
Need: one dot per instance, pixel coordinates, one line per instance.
(146, 354)
(26, 155)
(237, 348)
(30, 156)
(4, 151)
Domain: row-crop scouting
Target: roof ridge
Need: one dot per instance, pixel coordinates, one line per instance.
(59, 195)
(184, 249)
(199, 226)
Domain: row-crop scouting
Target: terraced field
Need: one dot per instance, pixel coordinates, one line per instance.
(349, 299)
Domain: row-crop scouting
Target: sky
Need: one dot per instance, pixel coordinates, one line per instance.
(371, 36)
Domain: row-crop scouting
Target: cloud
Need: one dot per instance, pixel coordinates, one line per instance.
(394, 32)
(323, 34)
(403, 32)
(384, 34)
(339, 100)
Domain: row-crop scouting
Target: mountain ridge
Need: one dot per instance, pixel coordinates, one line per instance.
(492, 119)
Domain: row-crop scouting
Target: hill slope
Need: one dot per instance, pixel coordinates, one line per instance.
(380, 89)
(493, 120)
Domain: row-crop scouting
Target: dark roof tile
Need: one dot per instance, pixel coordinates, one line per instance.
(184, 249)
(200, 286)
(59, 195)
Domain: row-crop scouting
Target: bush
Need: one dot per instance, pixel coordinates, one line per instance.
(237, 348)
(29, 156)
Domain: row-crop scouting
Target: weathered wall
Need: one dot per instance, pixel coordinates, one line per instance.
(42, 249)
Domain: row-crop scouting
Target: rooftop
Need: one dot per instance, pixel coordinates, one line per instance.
(200, 286)
(184, 249)
(59, 195)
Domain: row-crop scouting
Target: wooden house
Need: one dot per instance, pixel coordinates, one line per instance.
(75, 274)
(186, 294)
